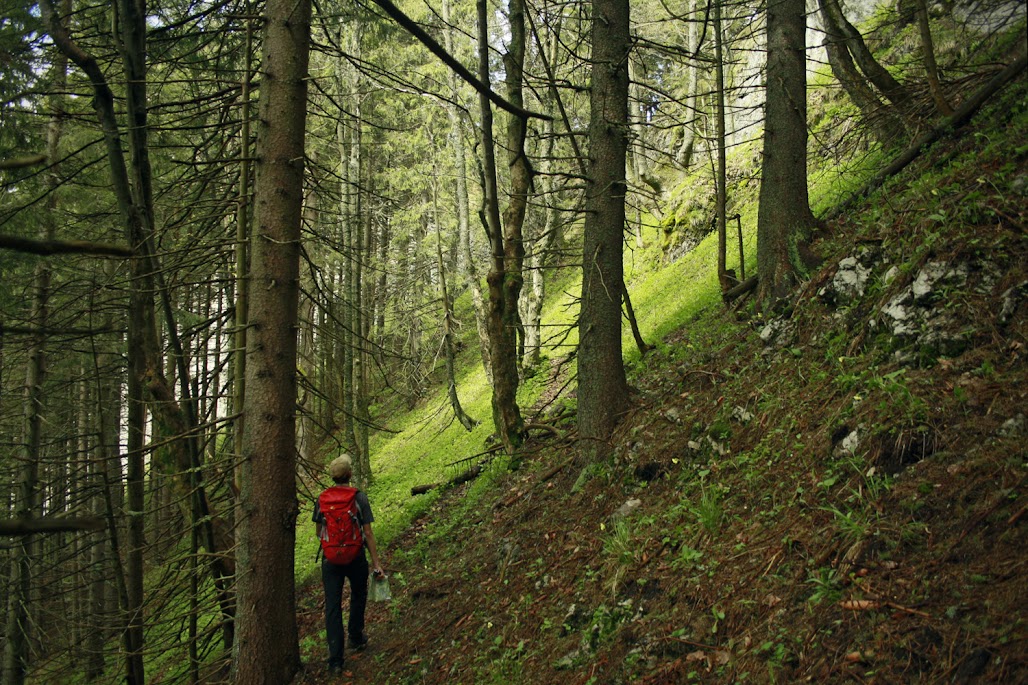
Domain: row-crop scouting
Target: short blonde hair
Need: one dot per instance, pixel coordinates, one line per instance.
(341, 468)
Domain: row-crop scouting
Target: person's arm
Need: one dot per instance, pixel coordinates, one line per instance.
(369, 540)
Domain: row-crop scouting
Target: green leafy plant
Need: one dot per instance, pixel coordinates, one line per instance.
(620, 551)
(710, 511)
(827, 586)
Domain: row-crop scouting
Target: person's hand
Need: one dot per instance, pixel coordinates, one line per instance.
(379, 573)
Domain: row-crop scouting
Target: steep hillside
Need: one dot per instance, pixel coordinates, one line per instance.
(833, 496)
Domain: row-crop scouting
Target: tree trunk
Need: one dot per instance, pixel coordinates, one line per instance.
(721, 180)
(885, 124)
(602, 386)
(242, 258)
(684, 154)
(141, 324)
(447, 342)
(506, 249)
(110, 599)
(25, 549)
(931, 68)
(135, 216)
(108, 467)
(639, 165)
(538, 256)
(267, 648)
(893, 91)
(382, 286)
(784, 218)
(90, 553)
(362, 329)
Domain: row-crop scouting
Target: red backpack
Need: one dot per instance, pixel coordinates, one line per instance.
(341, 536)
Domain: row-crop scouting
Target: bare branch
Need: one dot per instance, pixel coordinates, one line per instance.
(49, 247)
(436, 49)
(22, 162)
(49, 525)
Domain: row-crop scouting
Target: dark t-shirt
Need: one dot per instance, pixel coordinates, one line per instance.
(363, 510)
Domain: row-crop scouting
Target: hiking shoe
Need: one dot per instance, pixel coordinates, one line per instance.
(358, 644)
(335, 669)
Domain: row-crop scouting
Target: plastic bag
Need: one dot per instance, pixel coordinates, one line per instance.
(380, 589)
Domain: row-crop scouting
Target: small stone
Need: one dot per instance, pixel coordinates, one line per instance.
(849, 444)
(849, 282)
(717, 447)
(1009, 301)
(567, 661)
(742, 415)
(1013, 427)
(627, 509)
(901, 315)
(777, 331)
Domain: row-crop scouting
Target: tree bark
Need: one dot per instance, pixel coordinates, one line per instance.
(784, 218)
(267, 647)
(602, 386)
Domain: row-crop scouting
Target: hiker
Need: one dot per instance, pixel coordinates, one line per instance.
(343, 517)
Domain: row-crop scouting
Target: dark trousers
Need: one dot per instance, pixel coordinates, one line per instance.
(333, 576)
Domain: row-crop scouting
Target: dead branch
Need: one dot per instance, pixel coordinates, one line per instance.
(49, 525)
(542, 479)
(460, 479)
(21, 162)
(543, 426)
(51, 247)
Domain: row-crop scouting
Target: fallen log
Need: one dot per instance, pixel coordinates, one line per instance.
(739, 290)
(459, 479)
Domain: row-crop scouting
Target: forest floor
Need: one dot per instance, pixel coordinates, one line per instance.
(826, 502)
